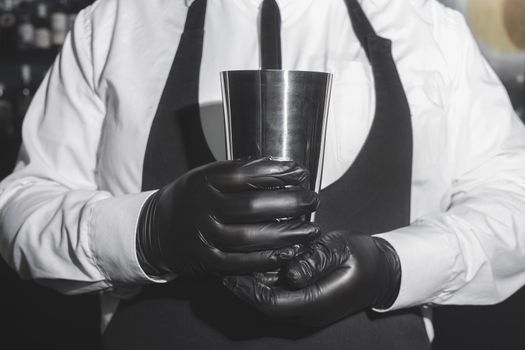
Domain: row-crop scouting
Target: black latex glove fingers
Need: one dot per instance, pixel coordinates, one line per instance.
(321, 258)
(244, 263)
(264, 173)
(310, 307)
(342, 273)
(262, 236)
(227, 218)
(269, 278)
(263, 205)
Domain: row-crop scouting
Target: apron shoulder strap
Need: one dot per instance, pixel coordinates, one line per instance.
(362, 27)
(176, 141)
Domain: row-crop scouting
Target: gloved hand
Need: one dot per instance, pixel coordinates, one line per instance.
(229, 217)
(340, 274)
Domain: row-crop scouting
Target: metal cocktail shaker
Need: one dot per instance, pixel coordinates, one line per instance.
(277, 113)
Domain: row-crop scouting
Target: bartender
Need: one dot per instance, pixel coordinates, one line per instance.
(121, 187)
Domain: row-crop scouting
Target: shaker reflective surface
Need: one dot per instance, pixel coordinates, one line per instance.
(276, 113)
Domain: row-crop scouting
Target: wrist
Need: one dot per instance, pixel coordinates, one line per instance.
(148, 241)
(390, 270)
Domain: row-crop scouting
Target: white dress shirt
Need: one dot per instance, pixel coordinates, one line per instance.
(68, 213)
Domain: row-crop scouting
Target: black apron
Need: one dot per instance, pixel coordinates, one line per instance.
(373, 196)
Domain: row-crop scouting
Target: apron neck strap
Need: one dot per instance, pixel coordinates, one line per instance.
(362, 27)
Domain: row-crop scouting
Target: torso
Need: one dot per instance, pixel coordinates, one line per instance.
(133, 71)
(374, 193)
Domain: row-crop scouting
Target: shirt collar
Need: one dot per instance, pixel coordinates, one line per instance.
(283, 4)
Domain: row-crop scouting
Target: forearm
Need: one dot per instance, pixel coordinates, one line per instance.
(473, 253)
(75, 241)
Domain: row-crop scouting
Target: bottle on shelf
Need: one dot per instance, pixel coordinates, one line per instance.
(7, 116)
(8, 27)
(59, 22)
(26, 27)
(43, 38)
(25, 94)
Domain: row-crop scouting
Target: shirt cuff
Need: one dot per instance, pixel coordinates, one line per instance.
(428, 256)
(112, 235)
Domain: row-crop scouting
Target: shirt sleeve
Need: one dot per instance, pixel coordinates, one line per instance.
(474, 252)
(56, 226)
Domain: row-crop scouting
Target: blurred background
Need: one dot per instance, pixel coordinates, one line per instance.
(31, 34)
(34, 317)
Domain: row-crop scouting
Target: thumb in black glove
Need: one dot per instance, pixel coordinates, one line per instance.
(340, 274)
(224, 218)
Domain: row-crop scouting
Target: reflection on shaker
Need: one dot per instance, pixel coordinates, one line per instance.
(280, 114)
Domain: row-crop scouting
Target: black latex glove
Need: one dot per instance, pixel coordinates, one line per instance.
(223, 218)
(340, 274)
